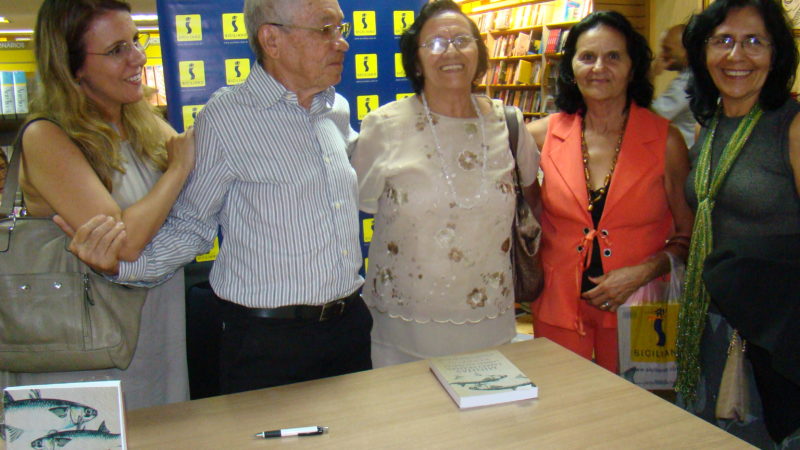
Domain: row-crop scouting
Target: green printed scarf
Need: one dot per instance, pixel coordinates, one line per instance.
(694, 303)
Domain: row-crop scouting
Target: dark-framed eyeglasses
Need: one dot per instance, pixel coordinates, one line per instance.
(123, 49)
(330, 31)
(438, 45)
(750, 45)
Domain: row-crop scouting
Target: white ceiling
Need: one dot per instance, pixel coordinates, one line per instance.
(22, 13)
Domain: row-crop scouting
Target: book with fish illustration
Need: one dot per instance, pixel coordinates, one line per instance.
(482, 378)
(82, 416)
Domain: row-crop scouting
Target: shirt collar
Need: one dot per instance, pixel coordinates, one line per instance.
(265, 90)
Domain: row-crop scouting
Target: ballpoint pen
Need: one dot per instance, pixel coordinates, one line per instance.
(286, 432)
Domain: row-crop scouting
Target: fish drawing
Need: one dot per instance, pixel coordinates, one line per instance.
(99, 439)
(48, 414)
(486, 379)
(498, 387)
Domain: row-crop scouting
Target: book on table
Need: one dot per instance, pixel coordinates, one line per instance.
(482, 378)
(66, 415)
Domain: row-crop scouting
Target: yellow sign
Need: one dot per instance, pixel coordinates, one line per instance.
(364, 23)
(399, 71)
(236, 70)
(189, 114)
(192, 73)
(367, 224)
(366, 65)
(403, 95)
(211, 255)
(366, 103)
(233, 26)
(402, 20)
(188, 27)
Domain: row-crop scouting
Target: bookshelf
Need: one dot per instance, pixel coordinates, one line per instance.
(525, 39)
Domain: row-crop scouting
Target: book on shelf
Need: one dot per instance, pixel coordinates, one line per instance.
(552, 40)
(161, 95)
(572, 10)
(20, 92)
(502, 20)
(562, 39)
(72, 415)
(522, 45)
(482, 378)
(7, 93)
(522, 74)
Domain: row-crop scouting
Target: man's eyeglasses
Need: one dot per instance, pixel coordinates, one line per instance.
(751, 45)
(123, 49)
(330, 31)
(438, 45)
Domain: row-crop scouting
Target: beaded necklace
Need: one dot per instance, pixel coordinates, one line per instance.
(595, 196)
(467, 202)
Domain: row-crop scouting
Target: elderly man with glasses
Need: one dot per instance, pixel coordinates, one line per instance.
(273, 173)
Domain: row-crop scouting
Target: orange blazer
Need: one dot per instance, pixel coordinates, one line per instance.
(636, 221)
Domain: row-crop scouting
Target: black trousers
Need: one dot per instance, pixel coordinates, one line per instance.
(257, 352)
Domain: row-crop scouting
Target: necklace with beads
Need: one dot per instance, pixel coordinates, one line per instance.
(595, 196)
(465, 155)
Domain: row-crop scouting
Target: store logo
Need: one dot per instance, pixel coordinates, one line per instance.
(188, 27)
(192, 73)
(233, 26)
(364, 23)
(236, 70)
(190, 114)
(403, 95)
(399, 71)
(366, 104)
(402, 20)
(366, 66)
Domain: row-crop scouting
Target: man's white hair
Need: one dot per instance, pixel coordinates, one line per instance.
(259, 12)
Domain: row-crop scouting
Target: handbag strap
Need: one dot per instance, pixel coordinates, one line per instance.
(513, 139)
(11, 189)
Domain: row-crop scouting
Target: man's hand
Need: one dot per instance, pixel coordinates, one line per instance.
(97, 242)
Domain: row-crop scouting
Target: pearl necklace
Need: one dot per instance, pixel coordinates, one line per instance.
(467, 202)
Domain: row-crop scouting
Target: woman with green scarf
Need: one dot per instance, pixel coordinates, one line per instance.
(738, 340)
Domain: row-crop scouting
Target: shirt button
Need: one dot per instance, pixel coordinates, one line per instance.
(337, 205)
(604, 232)
(607, 252)
(326, 159)
(345, 252)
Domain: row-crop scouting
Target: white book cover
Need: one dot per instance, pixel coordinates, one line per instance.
(482, 378)
(7, 93)
(20, 92)
(84, 416)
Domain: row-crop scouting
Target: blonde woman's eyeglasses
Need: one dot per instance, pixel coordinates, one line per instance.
(123, 49)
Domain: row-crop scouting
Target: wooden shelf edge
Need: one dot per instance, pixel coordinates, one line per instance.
(514, 86)
(515, 58)
(501, 5)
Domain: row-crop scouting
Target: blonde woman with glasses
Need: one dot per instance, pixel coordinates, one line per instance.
(93, 145)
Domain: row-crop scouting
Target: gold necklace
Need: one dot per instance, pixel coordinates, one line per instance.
(585, 150)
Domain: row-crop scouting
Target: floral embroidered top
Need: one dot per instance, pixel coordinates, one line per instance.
(440, 250)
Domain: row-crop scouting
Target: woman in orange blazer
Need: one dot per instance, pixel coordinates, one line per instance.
(612, 188)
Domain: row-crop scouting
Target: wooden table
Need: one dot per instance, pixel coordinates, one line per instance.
(580, 405)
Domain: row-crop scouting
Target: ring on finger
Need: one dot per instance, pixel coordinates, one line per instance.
(605, 305)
